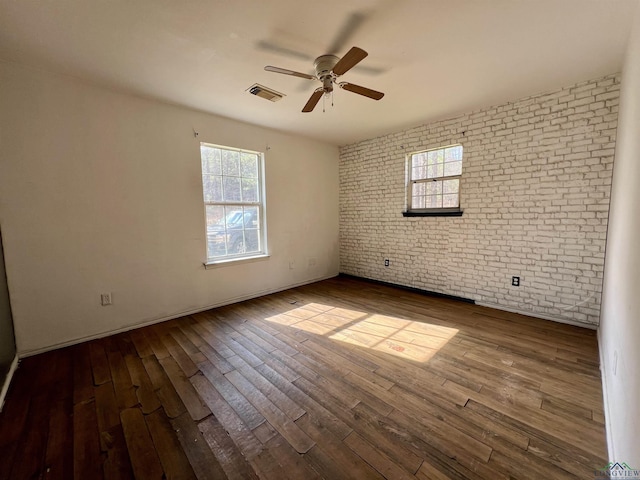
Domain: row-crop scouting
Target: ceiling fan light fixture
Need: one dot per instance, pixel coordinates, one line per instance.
(327, 84)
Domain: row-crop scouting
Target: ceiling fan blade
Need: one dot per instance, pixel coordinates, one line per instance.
(347, 30)
(366, 69)
(367, 92)
(272, 47)
(313, 101)
(284, 71)
(350, 60)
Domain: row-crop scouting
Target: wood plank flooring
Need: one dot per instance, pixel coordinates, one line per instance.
(339, 379)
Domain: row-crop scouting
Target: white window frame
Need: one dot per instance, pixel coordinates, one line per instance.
(411, 182)
(260, 204)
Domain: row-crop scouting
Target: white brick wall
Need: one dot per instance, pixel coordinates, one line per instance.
(535, 193)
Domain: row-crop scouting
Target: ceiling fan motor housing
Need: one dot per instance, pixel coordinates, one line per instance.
(324, 64)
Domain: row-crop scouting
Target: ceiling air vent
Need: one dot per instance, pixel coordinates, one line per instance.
(264, 92)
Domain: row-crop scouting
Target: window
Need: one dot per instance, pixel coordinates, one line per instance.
(434, 181)
(234, 202)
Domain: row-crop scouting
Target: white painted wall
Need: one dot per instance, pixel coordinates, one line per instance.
(620, 323)
(101, 192)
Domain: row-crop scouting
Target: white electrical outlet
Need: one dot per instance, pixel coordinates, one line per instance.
(105, 299)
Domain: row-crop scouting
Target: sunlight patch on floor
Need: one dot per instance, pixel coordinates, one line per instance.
(400, 337)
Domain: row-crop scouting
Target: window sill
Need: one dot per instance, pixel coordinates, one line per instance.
(235, 261)
(445, 213)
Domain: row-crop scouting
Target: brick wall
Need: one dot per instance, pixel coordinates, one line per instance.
(535, 191)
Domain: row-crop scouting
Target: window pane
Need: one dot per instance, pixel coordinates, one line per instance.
(233, 217)
(216, 236)
(419, 160)
(436, 170)
(433, 157)
(419, 173)
(452, 168)
(231, 187)
(453, 154)
(249, 189)
(433, 201)
(235, 229)
(450, 186)
(252, 240)
(212, 188)
(252, 229)
(450, 201)
(418, 166)
(249, 165)
(215, 217)
(419, 189)
(206, 156)
(251, 217)
(210, 160)
(417, 201)
(230, 162)
(433, 188)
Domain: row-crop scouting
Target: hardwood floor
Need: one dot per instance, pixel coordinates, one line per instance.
(339, 379)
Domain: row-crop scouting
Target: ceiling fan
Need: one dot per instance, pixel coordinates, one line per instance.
(328, 69)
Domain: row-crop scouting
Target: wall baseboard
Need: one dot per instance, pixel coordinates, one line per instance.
(7, 380)
(145, 323)
(605, 402)
(541, 316)
(409, 289)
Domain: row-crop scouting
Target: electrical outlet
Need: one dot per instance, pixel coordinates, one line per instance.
(312, 262)
(515, 281)
(386, 262)
(292, 264)
(105, 299)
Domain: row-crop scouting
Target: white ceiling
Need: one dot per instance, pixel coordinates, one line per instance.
(433, 58)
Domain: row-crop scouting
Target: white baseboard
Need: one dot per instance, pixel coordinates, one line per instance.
(605, 401)
(145, 323)
(7, 380)
(537, 315)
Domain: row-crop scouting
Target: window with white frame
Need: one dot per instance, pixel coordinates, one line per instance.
(434, 180)
(233, 192)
